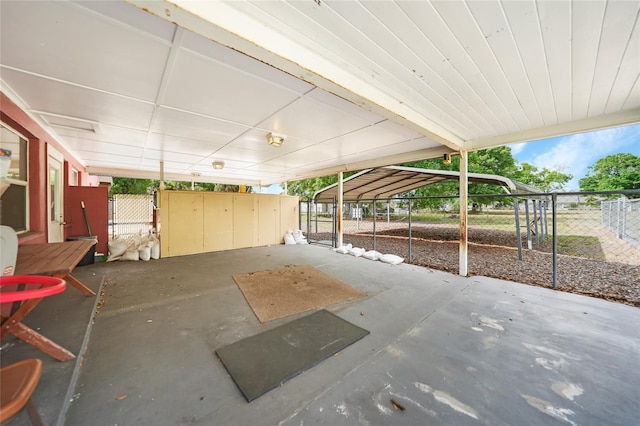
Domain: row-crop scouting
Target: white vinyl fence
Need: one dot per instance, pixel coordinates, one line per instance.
(622, 217)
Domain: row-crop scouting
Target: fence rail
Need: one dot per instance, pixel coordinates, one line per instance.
(559, 240)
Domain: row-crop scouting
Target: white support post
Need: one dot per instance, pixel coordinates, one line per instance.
(464, 212)
(339, 209)
(162, 175)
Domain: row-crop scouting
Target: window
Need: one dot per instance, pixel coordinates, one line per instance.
(73, 179)
(14, 189)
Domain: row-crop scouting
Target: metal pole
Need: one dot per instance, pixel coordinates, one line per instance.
(358, 215)
(339, 208)
(315, 216)
(610, 213)
(309, 216)
(526, 213)
(554, 199)
(535, 222)
(409, 230)
(546, 224)
(619, 217)
(464, 213)
(388, 216)
(624, 217)
(542, 231)
(516, 209)
(334, 234)
(373, 203)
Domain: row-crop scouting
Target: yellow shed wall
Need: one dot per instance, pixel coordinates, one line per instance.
(199, 222)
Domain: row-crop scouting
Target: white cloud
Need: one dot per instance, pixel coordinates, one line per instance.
(573, 154)
(517, 148)
(271, 189)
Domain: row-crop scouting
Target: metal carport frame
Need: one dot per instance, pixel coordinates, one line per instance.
(385, 182)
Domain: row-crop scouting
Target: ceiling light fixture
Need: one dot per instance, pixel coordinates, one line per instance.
(218, 165)
(275, 139)
(446, 158)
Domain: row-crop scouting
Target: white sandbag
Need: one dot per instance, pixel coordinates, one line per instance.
(372, 255)
(155, 251)
(131, 255)
(356, 251)
(144, 252)
(117, 248)
(391, 259)
(299, 237)
(343, 249)
(288, 239)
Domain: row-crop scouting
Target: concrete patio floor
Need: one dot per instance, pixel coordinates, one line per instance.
(448, 349)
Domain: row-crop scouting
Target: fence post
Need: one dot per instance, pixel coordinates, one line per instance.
(618, 222)
(623, 231)
(610, 213)
(309, 216)
(544, 219)
(113, 215)
(388, 216)
(409, 230)
(554, 200)
(315, 217)
(334, 225)
(535, 222)
(373, 204)
(526, 213)
(542, 230)
(516, 208)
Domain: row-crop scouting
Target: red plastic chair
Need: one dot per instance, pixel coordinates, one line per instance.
(13, 290)
(19, 380)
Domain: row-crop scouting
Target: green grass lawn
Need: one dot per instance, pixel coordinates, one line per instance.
(572, 225)
(577, 245)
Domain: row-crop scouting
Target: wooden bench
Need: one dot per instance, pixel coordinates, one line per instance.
(54, 260)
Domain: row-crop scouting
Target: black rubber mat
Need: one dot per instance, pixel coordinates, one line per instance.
(264, 361)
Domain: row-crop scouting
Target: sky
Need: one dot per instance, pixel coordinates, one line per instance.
(573, 154)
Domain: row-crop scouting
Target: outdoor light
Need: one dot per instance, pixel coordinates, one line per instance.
(446, 159)
(218, 164)
(275, 139)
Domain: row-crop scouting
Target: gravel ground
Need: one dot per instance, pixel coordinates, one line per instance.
(494, 254)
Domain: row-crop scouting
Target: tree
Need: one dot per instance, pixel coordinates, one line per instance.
(613, 172)
(497, 161)
(132, 186)
(545, 179)
(148, 186)
(307, 187)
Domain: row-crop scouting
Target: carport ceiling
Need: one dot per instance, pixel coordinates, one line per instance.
(385, 182)
(353, 85)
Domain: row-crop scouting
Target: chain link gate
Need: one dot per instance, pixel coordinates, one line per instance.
(131, 215)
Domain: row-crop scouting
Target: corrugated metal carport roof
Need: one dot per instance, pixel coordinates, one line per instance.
(385, 182)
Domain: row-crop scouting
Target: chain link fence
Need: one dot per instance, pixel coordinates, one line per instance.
(130, 215)
(575, 242)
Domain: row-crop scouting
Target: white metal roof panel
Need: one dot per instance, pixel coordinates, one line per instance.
(386, 182)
